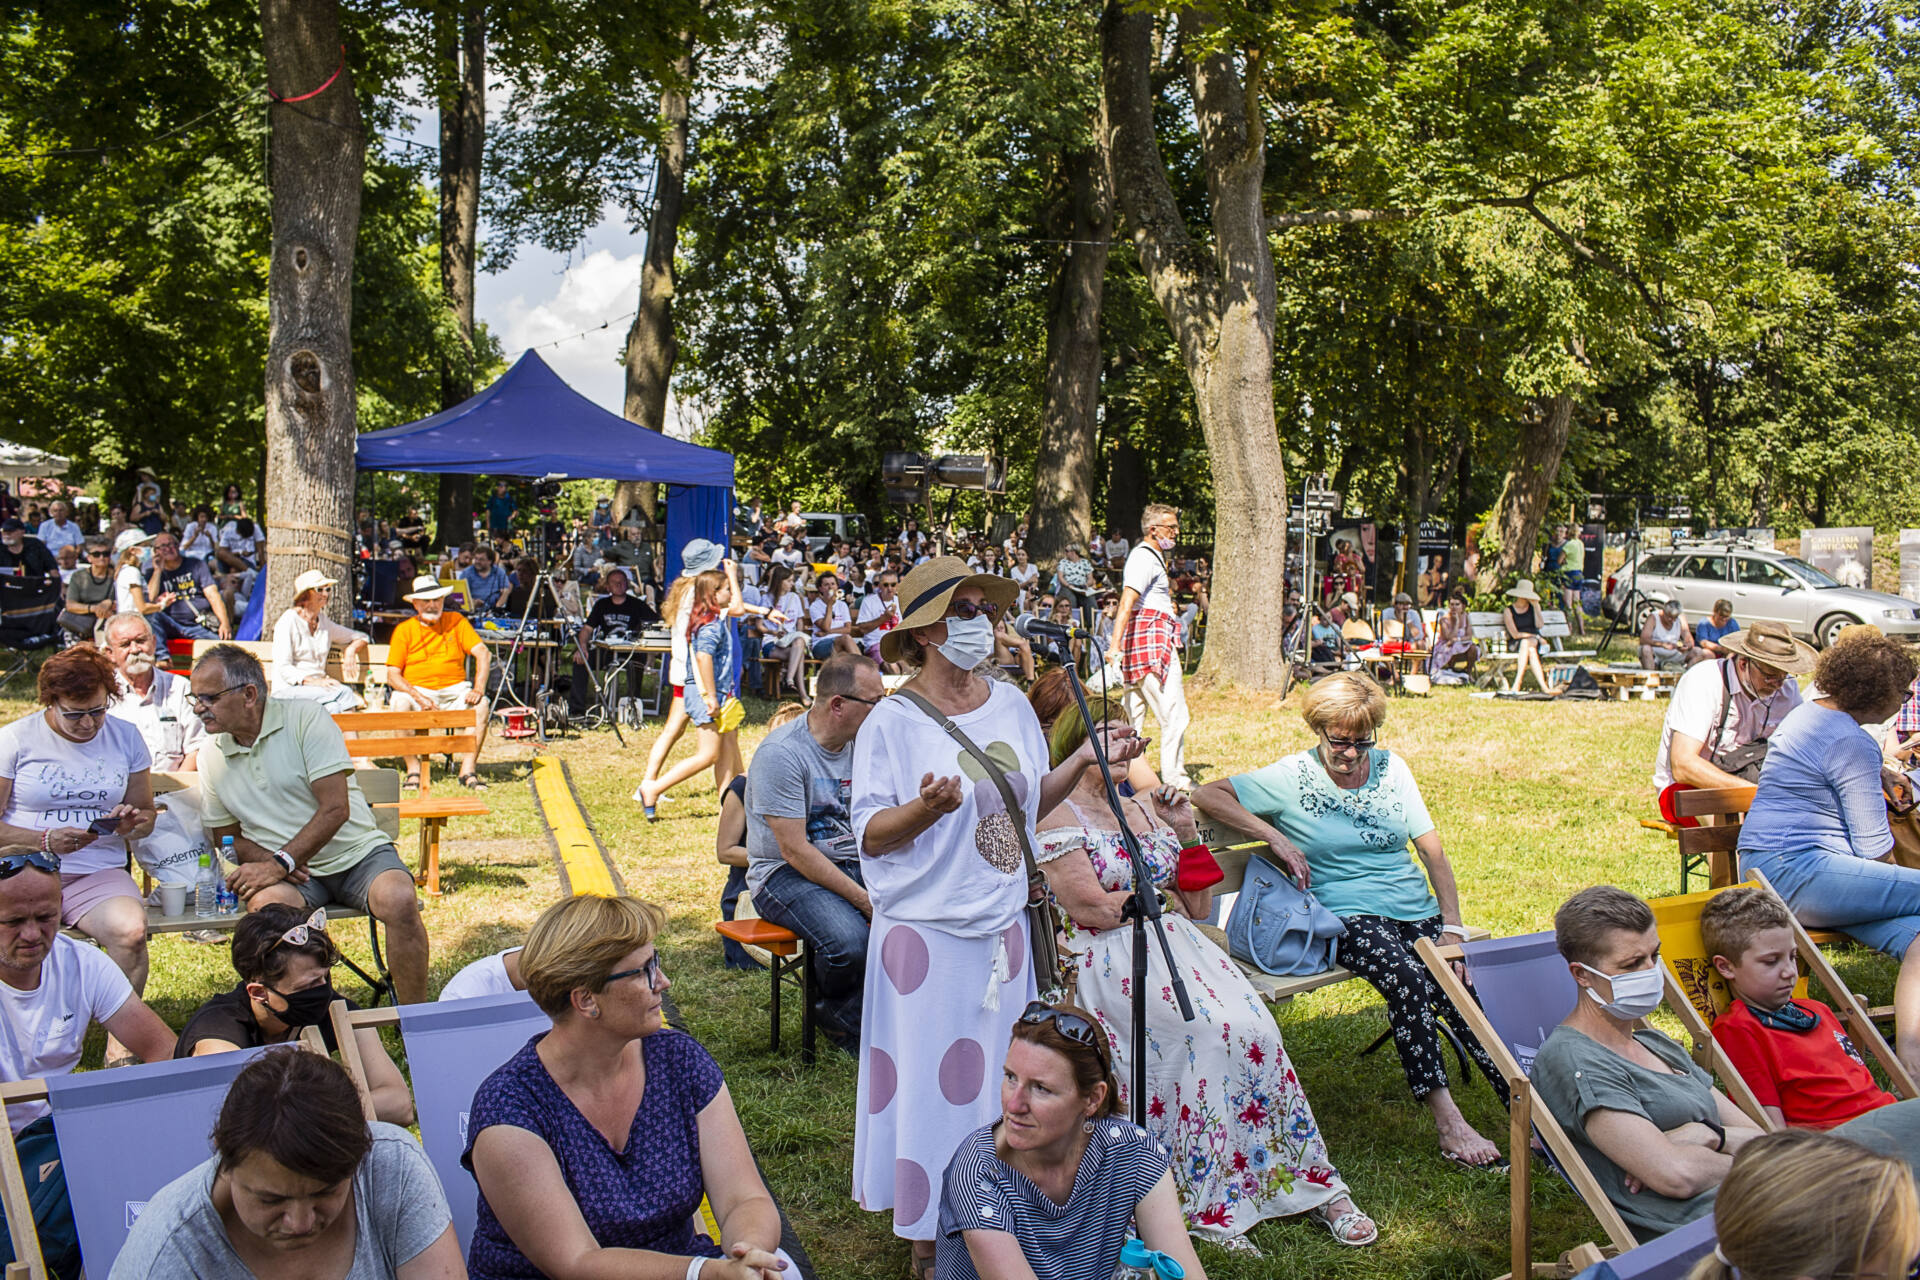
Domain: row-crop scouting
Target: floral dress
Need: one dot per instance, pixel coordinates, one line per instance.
(1222, 1096)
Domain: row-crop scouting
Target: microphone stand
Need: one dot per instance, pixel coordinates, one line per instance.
(1142, 905)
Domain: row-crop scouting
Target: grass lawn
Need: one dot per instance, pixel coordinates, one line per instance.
(1533, 801)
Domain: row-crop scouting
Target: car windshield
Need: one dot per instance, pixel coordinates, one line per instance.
(1814, 577)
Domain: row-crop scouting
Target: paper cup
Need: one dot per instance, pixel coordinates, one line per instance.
(173, 899)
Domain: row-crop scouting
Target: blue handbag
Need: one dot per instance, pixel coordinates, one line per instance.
(1278, 927)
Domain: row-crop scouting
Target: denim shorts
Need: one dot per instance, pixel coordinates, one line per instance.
(1875, 903)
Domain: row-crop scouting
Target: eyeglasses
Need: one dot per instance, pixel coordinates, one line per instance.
(1350, 745)
(298, 935)
(1071, 1025)
(847, 697)
(75, 717)
(101, 552)
(208, 699)
(14, 863)
(967, 610)
(650, 970)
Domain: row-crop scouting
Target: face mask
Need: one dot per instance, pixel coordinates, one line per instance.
(1165, 544)
(308, 1007)
(969, 642)
(1635, 994)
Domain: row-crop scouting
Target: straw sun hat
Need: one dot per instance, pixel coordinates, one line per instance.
(1523, 590)
(1771, 645)
(926, 591)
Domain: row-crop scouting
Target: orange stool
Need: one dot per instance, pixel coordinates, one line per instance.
(788, 951)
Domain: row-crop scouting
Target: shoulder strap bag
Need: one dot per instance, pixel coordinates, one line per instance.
(1745, 760)
(1042, 925)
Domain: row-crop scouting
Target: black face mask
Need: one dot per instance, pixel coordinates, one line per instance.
(308, 1007)
(1788, 1017)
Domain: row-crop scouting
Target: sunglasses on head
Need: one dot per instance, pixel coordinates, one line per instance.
(1071, 1025)
(298, 935)
(14, 863)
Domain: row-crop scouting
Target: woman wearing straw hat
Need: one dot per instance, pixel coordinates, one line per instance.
(1522, 620)
(944, 839)
(302, 639)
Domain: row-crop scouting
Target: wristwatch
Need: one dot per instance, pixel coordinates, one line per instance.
(286, 861)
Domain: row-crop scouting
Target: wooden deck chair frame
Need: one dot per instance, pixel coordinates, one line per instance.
(1523, 1119)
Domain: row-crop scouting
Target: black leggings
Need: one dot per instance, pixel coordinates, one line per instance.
(1381, 951)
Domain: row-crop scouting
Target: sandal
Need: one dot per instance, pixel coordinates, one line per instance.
(1342, 1225)
(412, 781)
(1499, 1165)
(472, 782)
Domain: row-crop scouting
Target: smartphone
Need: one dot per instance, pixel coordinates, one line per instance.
(104, 826)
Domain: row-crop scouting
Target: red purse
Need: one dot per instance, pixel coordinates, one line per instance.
(1197, 869)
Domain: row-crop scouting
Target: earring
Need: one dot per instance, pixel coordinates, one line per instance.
(1086, 1127)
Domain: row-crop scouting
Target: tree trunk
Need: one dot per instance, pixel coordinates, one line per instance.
(1522, 507)
(1219, 305)
(463, 139)
(651, 348)
(317, 153)
(1417, 475)
(1063, 465)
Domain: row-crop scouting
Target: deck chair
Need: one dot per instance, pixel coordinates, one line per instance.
(1524, 991)
(29, 620)
(1667, 1257)
(162, 1110)
(457, 1045)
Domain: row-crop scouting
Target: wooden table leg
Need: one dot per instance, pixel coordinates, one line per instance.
(428, 877)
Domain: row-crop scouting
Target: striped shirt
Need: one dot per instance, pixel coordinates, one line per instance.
(1079, 1240)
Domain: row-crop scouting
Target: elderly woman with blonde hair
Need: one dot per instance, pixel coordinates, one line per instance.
(594, 1144)
(1338, 817)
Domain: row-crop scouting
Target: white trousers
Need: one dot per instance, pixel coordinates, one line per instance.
(1167, 699)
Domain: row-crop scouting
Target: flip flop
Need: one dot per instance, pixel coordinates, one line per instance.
(1498, 1165)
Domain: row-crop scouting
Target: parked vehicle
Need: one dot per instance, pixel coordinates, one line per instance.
(1761, 585)
(824, 527)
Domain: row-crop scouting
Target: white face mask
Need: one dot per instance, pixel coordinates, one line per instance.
(969, 642)
(1635, 994)
(1165, 544)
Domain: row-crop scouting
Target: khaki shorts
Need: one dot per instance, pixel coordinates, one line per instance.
(451, 698)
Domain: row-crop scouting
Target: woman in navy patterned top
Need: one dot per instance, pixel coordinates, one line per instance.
(593, 1145)
(1052, 1189)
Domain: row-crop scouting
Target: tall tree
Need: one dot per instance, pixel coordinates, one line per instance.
(460, 45)
(317, 156)
(1219, 302)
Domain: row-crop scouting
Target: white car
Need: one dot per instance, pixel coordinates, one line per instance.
(1761, 586)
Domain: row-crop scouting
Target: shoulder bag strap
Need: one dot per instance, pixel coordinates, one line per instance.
(1014, 809)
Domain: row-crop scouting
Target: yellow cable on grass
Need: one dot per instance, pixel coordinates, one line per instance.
(582, 861)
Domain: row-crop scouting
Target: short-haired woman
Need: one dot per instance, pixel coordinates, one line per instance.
(303, 639)
(1054, 1187)
(285, 961)
(594, 1144)
(76, 782)
(1818, 828)
(300, 1183)
(1338, 817)
(1799, 1205)
(1658, 1137)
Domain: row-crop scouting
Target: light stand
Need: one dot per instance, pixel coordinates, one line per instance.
(1142, 905)
(513, 650)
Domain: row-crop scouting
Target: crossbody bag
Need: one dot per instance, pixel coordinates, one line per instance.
(1043, 926)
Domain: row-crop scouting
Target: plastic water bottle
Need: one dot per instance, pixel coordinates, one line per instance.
(203, 894)
(225, 900)
(1137, 1262)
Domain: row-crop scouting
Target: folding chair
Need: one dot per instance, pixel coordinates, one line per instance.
(164, 1111)
(1524, 992)
(1667, 1257)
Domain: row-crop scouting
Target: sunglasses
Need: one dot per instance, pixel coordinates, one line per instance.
(75, 717)
(298, 935)
(1349, 744)
(650, 970)
(14, 863)
(847, 697)
(967, 610)
(1071, 1025)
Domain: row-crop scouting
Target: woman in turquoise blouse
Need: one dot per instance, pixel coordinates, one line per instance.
(1338, 817)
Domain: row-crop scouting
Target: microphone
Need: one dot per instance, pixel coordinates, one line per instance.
(1028, 627)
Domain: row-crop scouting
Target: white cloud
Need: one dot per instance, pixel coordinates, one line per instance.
(601, 289)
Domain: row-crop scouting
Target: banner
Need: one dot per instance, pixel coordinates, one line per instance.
(1910, 563)
(1844, 554)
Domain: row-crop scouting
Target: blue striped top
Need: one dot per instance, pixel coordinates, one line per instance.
(1079, 1240)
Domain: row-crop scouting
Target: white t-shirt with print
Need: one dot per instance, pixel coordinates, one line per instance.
(872, 609)
(61, 783)
(43, 1030)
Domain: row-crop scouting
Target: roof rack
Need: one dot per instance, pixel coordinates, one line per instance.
(1725, 543)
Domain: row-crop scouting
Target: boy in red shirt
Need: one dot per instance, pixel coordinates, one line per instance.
(1793, 1054)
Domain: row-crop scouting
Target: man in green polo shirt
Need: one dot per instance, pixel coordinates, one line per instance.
(275, 775)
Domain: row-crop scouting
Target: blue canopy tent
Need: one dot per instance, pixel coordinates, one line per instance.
(530, 423)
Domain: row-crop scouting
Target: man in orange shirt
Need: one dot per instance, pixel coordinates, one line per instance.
(427, 663)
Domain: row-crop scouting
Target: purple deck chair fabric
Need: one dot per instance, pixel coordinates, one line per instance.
(126, 1133)
(1524, 986)
(451, 1048)
(1668, 1257)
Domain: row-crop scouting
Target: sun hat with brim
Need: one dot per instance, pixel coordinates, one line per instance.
(1523, 590)
(699, 556)
(131, 538)
(428, 587)
(927, 590)
(312, 580)
(1771, 645)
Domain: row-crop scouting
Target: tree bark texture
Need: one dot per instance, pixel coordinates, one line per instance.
(1219, 304)
(651, 346)
(463, 140)
(316, 152)
(1069, 426)
(1522, 505)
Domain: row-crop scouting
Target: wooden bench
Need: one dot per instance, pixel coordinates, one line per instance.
(1498, 651)
(787, 956)
(392, 734)
(373, 672)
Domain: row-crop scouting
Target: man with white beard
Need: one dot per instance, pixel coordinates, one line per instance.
(152, 699)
